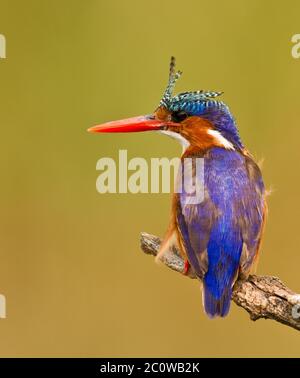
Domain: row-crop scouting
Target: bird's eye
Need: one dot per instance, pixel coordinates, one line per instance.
(179, 116)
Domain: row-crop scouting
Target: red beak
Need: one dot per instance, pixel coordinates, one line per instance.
(129, 125)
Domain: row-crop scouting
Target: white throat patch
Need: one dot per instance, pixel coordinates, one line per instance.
(184, 142)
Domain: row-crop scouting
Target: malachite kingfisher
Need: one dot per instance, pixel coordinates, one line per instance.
(220, 237)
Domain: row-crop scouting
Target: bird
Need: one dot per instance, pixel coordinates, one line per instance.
(219, 237)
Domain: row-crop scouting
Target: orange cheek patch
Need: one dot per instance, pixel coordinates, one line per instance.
(195, 129)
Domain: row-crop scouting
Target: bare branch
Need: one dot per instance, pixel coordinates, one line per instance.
(262, 296)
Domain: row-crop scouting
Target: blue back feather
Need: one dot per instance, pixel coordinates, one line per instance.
(230, 217)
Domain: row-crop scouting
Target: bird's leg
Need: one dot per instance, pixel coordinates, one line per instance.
(186, 267)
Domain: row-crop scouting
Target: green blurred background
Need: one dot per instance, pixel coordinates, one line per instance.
(71, 269)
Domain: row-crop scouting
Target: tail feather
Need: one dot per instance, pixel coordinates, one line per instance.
(214, 306)
(224, 254)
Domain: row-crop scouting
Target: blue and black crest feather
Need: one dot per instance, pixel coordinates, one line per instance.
(187, 101)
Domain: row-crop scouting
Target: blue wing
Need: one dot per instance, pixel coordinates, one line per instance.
(221, 234)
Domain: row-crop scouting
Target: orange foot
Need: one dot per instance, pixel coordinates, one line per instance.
(186, 267)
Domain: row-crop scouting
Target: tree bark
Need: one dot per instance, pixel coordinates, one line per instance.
(261, 296)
